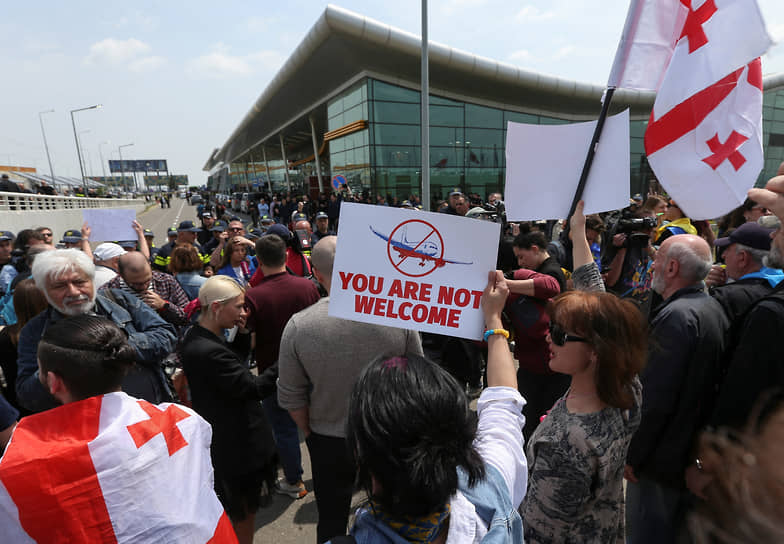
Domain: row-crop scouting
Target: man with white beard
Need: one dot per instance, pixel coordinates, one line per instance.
(685, 350)
(65, 276)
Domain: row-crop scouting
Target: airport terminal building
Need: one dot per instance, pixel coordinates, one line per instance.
(347, 103)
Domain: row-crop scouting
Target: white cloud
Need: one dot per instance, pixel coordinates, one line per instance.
(220, 63)
(532, 13)
(563, 52)
(112, 51)
(147, 64)
(522, 54)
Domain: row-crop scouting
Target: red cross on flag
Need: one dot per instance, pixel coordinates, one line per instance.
(717, 38)
(111, 469)
(704, 39)
(707, 151)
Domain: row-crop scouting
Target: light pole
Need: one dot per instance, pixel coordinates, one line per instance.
(122, 165)
(46, 145)
(84, 156)
(100, 154)
(76, 139)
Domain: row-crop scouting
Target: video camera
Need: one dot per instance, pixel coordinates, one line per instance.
(636, 229)
(635, 224)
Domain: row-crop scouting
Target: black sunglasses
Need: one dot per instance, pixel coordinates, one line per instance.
(559, 336)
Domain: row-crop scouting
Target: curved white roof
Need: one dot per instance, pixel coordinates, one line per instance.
(343, 45)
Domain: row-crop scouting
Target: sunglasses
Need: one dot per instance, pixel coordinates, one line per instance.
(560, 337)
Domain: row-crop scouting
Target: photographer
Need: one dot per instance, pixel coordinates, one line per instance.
(631, 256)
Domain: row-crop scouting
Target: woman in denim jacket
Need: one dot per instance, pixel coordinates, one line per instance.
(431, 471)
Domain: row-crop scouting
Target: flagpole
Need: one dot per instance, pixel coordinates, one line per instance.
(597, 133)
(425, 113)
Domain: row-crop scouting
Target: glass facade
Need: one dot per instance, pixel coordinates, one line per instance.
(772, 133)
(382, 155)
(349, 155)
(467, 142)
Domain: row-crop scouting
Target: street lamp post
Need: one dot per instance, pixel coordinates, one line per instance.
(122, 165)
(46, 145)
(100, 154)
(76, 139)
(85, 159)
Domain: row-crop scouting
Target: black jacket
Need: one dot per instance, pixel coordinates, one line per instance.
(757, 363)
(686, 345)
(227, 395)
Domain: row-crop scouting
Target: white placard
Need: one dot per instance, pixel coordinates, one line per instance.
(544, 162)
(110, 225)
(411, 269)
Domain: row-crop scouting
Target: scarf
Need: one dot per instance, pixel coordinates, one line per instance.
(413, 529)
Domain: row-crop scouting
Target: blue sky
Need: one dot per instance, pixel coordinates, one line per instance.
(175, 77)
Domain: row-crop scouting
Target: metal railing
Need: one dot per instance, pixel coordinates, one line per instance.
(31, 202)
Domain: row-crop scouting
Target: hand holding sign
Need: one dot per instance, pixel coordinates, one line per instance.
(494, 299)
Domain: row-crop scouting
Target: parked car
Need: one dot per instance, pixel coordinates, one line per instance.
(196, 200)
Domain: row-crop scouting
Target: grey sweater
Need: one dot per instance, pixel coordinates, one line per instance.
(328, 353)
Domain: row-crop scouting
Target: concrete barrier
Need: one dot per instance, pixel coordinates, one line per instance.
(59, 213)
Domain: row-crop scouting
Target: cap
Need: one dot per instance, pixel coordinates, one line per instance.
(107, 250)
(322, 215)
(406, 204)
(254, 233)
(280, 230)
(188, 226)
(455, 191)
(637, 198)
(127, 244)
(149, 232)
(769, 222)
(748, 234)
(267, 220)
(206, 214)
(6, 235)
(299, 217)
(171, 231)
(218, 226)
(72, 236)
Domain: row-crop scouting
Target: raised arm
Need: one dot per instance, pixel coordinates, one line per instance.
(500, 365)
(586, 275)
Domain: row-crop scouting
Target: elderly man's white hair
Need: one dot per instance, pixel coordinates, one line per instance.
(54, 264)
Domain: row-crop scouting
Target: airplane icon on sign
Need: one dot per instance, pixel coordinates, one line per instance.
(426, 251)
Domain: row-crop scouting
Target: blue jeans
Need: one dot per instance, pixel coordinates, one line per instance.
(286, 438)
(654, 513)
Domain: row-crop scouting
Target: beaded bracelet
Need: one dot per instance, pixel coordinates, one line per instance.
(491, 332)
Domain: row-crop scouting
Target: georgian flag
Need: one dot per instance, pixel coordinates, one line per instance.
(111, 469)
(679, 47)
(707, 151)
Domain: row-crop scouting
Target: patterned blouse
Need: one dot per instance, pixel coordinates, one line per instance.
(575, 484)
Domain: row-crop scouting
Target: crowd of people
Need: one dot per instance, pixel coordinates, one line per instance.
(644, 345)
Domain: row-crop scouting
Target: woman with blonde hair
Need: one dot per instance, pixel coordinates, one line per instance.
(227, 395)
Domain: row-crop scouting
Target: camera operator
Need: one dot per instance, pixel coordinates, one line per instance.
(630, 256)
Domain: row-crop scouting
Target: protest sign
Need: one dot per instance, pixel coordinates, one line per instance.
(413, 270)
(543, 164)
(110, 224)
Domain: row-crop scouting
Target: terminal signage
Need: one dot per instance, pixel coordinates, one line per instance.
(411, 269)
(157, 165)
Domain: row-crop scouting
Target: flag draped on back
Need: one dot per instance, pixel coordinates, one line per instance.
(704, 137)
(111, 469)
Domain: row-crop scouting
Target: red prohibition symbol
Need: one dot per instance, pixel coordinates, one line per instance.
(415, 248)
